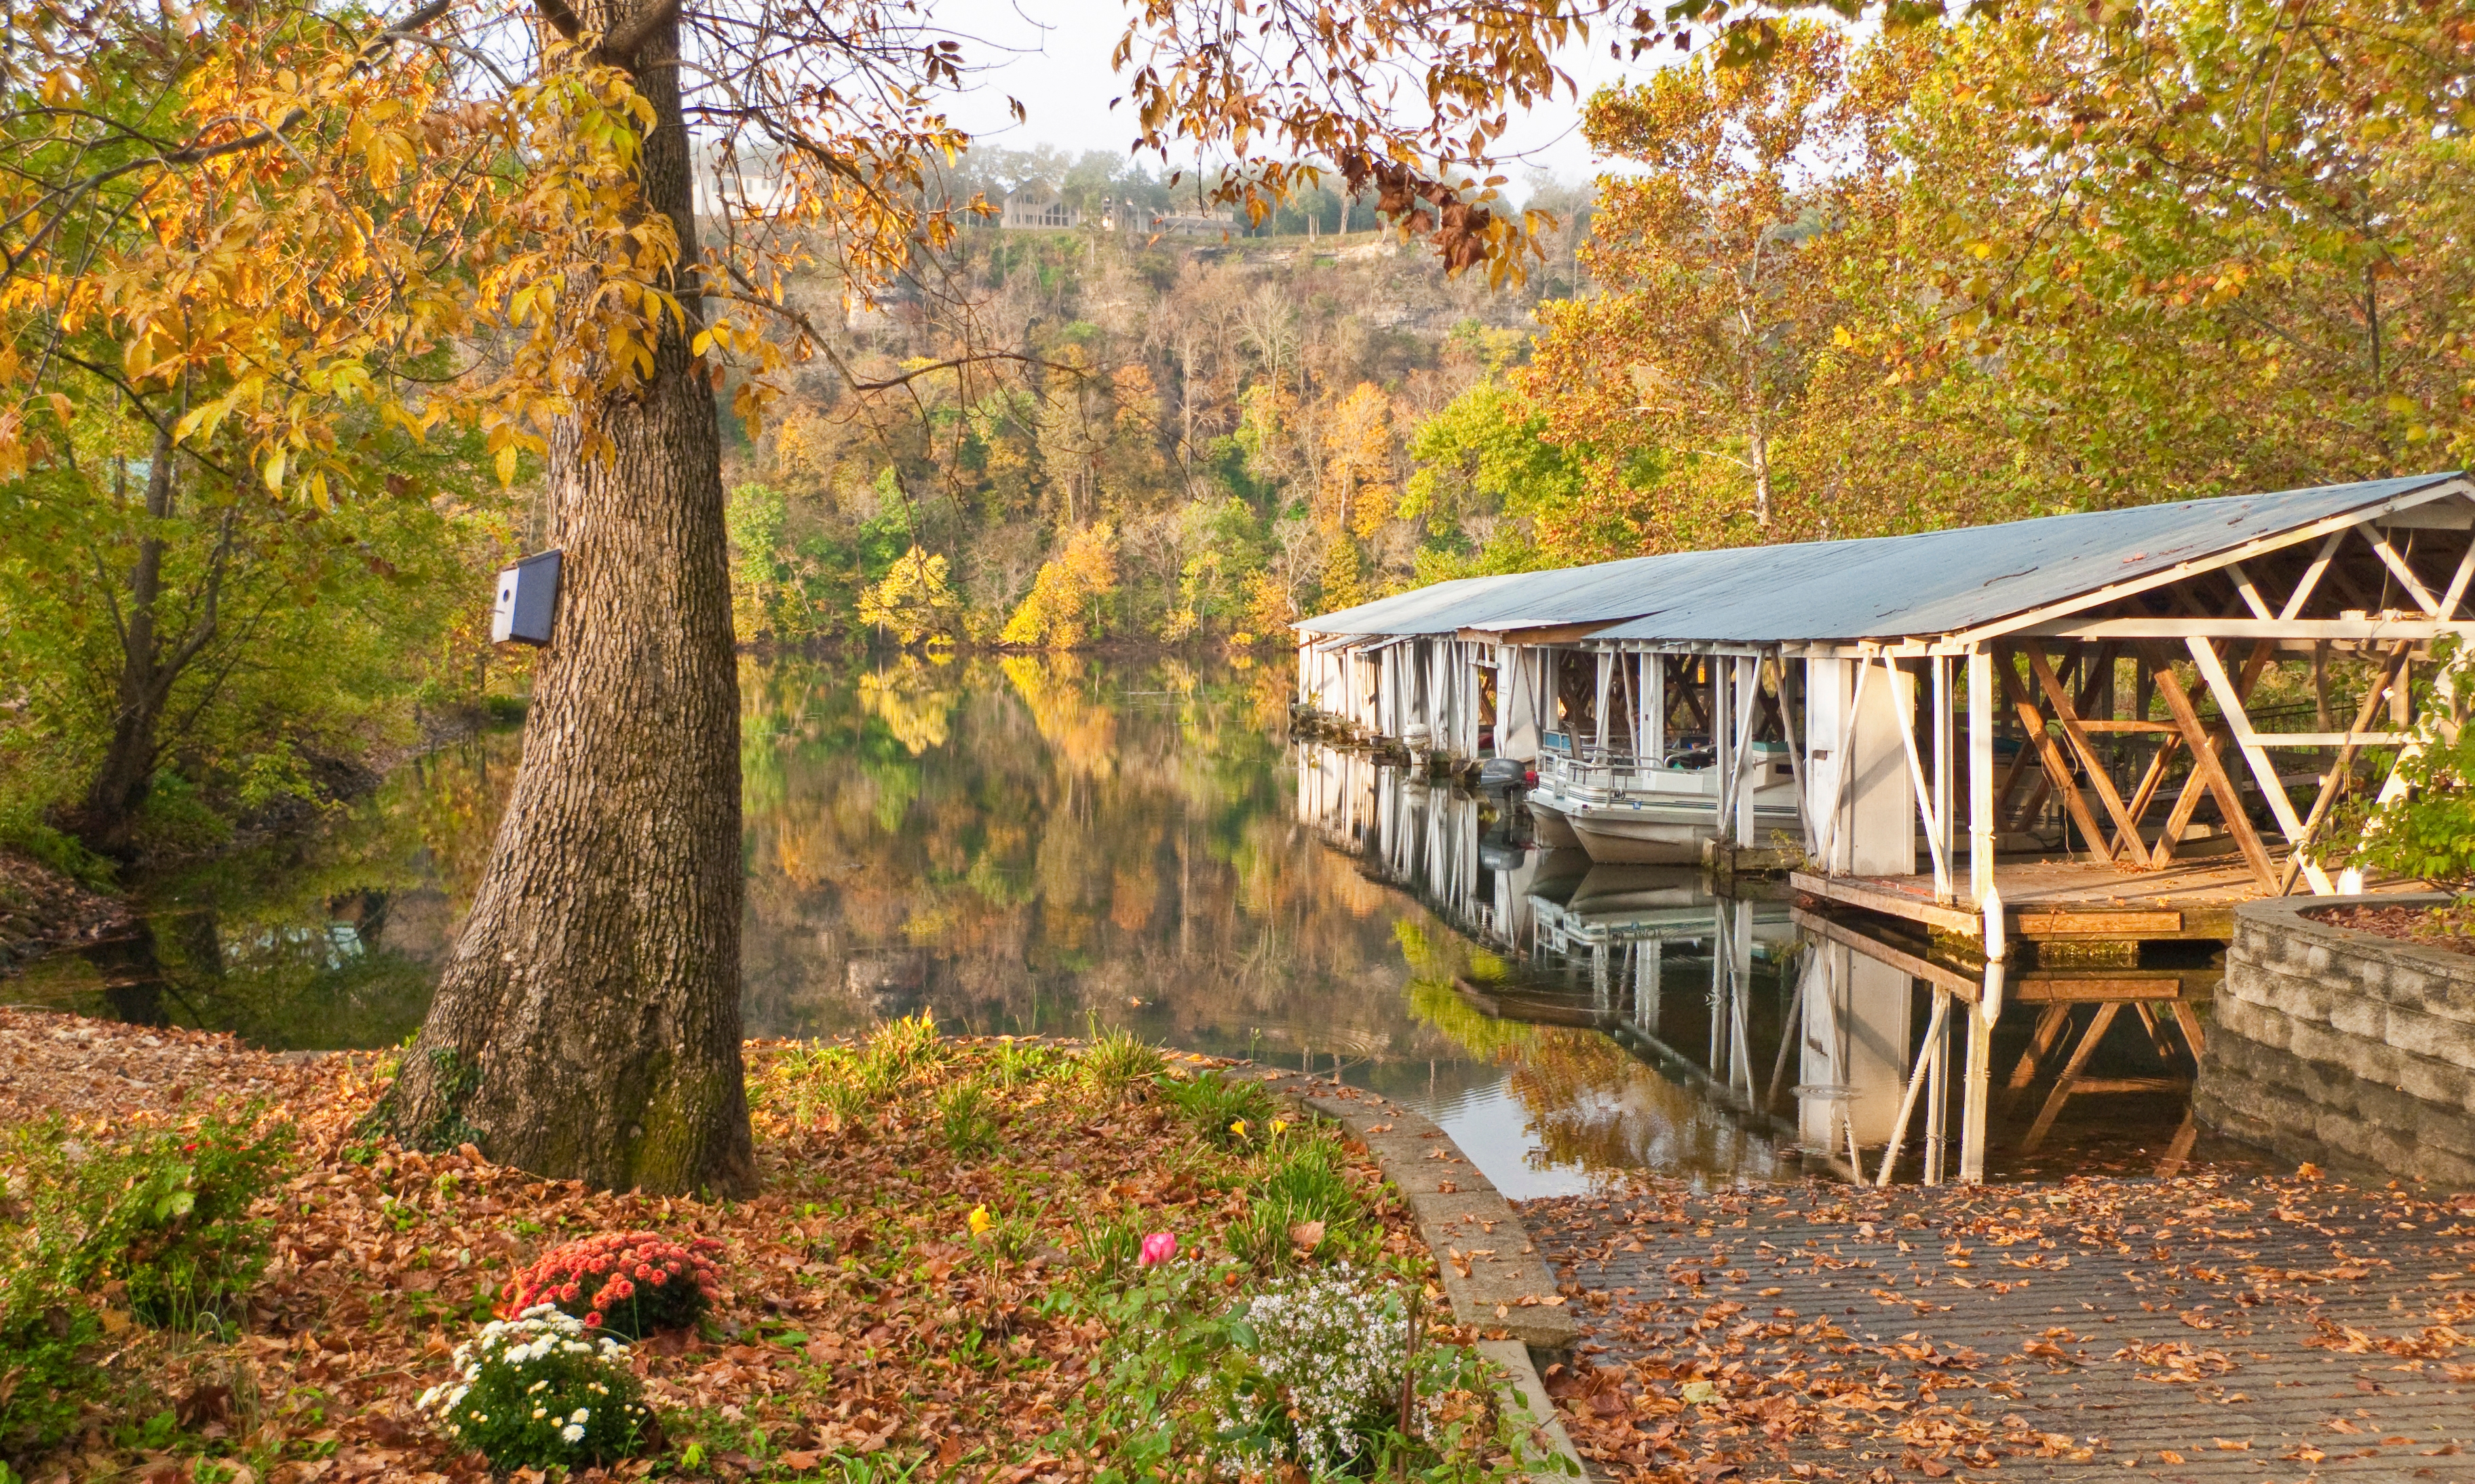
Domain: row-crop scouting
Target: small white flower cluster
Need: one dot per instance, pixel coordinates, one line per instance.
(1332, 1347)
(537, 1334)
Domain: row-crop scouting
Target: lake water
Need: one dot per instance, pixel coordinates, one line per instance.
(1047, 845)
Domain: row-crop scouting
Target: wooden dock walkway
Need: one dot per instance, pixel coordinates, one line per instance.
(2070, 899)
(2201, 1328)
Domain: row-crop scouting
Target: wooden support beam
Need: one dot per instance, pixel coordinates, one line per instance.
(2335, 779)
(2397, 564)
(2127, 840)
(1936, 837)
(2012, 774)
(2063, 1087)
(2058, 772)
(2210, 770)
(2371, 627)
(2264, 770)
(2196, 784)
(2189, 1018)
(2150, 781)
(2251, 597)
(2457, 584)
(2051, 1023)
(2311, 578)
(1915, 1086)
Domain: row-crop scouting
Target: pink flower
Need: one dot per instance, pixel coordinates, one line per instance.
(569, 1291)
(660, 1276)
(1159, 1248)
(594, 1319)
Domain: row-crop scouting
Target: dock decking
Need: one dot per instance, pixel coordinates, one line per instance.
(2201, 1328)
(2068, 899)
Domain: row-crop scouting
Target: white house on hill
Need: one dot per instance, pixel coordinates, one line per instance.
(1036, 204)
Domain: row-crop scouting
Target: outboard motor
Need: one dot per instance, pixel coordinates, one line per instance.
(1504, 775)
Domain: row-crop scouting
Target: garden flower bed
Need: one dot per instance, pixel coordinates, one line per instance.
(985, 1260)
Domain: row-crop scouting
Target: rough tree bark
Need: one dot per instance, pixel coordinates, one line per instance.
(588, 1024)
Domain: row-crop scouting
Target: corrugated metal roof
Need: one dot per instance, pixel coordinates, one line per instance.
(1940, 582)
(1407, 613)
(1887, 587)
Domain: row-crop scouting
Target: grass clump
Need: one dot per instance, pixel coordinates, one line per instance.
(1224, 1113)
(1302, 1204)
(966, 1119)
(1022, 1064)
(1117, 1064)
(901, 1051)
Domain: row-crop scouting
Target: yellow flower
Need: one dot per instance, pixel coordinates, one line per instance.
(981, 1221)
(1238, 1128)
(1280, 1125)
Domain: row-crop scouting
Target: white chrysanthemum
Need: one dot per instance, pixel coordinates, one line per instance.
(580, 1417)
(572, 1434)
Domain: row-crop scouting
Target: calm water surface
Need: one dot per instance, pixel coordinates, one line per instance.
(1050, 845)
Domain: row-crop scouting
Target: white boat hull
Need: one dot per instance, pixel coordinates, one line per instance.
(1617, 841)
(1549, 827)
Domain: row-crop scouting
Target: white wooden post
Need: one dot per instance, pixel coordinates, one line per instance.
(1658, 707)
(1981, 774)
(1721, 735)
(2263, 769)
(1599, 711)
(1905, 715)
(1938, 1096)
(1748, 698)
(1979, 1079)
(1945, 826)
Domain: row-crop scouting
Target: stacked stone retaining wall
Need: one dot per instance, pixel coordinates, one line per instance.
(2343, 1047)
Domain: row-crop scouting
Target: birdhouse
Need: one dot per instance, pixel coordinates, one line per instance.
(527, 601)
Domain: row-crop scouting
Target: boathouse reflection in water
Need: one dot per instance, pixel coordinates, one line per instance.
(1829, 1036)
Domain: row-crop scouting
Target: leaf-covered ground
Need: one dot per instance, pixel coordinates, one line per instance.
(2209, 1327)
(863, 1320)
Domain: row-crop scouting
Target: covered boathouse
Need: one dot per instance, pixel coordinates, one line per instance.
(2102, 728)
(2081, 686)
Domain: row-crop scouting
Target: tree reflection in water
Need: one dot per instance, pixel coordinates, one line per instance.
(1045, 845)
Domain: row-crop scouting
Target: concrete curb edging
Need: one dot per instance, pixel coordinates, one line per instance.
(1547, 1432)
(1506, 1292)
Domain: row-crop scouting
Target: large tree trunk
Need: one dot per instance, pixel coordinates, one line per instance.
(588, 1025)
(104, 818)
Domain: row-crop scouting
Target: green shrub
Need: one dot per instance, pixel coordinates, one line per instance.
(160, 1220)
(534, 1392)
(1214, 1107)
(174, 818)
(2427, 832)
(964, 1119)
(156, 1223)
(46, 1373)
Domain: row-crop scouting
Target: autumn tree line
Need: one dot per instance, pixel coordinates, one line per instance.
(1952, 274)
(1946, 276)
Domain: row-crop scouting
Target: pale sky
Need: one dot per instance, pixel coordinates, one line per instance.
(1059, 68)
